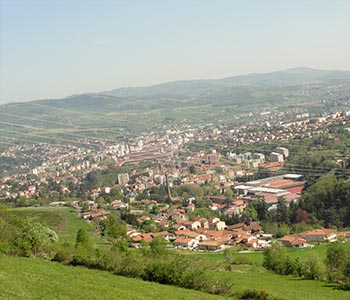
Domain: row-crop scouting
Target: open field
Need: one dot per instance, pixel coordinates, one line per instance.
(282, 287)
(257, 258)
(23, 278)
(254, 276)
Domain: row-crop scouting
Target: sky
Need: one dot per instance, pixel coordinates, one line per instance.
(56, 48)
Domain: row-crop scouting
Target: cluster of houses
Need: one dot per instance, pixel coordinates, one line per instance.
(206, 234)
(202, 234)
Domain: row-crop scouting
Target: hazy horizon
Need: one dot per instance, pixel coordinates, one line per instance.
(159, 83)
(57, 49)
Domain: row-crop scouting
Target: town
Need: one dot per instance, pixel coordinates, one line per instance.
(155, 178)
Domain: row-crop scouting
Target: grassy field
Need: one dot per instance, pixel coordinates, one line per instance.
(23, 278)
(32, 278)
(282, 287)
(257, 258)
(254, 276)
(61, 219)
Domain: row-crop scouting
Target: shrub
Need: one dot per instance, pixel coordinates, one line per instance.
(254, 295)
(276, 260)
(220, 287)
(63, 256)
(241, 260)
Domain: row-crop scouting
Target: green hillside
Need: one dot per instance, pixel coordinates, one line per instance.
(23, 278)
(32, 278)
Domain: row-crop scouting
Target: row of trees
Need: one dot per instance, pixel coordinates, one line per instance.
(337, 263)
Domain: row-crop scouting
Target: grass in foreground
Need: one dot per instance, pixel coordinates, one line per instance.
(30, 278)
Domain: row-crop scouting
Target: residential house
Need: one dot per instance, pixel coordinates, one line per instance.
(210, 245)
(320, 235)
(293, 241)
(186, 243)
(216, 223)
(94, 214)
(193, 225)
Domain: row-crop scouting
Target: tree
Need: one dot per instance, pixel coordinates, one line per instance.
(335, 259)
(92, 180)
(311, 267)
(83, 239)
(32, 237)
(113, 227)
(192, 169)
(276, 260)
(261, 209)
(282, 211)
(229, 195)
(158, 246)
(302, 216)
(250, 212)
(192, 190)
(338, 262)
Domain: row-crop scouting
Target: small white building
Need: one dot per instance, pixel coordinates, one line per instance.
(276, 157)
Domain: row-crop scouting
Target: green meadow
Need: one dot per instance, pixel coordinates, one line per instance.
(32, 278)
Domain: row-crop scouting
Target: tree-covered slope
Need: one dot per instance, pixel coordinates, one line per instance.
(328, 200)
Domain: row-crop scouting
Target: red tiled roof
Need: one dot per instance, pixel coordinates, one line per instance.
(137, 238)
(273, 164)
(298, 241)
(186, 232)
(147, 237)
(252, 241)
(295, 190)
(318, 232)
(183, 241)
(201, 230)
(293, 240)
(278, 183)
(162, 233)
(210, 243)
(236, 226)
(254, 227)
(238, 202)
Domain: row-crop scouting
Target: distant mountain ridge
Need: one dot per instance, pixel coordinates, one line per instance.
(289, 77)
(178, 102)
(200, 88)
